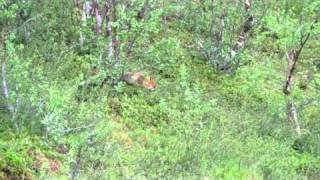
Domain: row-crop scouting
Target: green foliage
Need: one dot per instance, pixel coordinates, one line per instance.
(197, 124)
(216, 25)
(14, 161)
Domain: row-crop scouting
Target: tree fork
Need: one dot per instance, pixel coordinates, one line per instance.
(293, 57)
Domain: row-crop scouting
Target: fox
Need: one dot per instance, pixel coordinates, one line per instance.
(138, 79)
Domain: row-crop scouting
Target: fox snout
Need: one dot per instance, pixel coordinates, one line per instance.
(149, 84)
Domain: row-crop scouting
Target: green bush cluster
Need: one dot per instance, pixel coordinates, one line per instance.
(199, 122)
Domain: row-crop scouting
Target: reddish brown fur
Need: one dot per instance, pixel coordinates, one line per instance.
(138, 79)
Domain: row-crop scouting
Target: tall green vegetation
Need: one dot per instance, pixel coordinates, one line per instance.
(237, 95)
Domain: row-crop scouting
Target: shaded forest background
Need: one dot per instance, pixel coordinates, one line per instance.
(237, 89)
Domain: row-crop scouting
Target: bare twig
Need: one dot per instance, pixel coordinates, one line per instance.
(81, 128)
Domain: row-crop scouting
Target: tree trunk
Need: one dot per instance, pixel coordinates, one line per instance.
(293, 57)
(109, 29)
(5, 86)
(115, 41)
(98, 17)
(293, 116)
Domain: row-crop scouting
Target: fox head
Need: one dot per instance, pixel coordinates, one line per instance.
(149, 83)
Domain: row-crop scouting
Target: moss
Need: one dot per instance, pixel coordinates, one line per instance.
(15, 174)
(14, 166)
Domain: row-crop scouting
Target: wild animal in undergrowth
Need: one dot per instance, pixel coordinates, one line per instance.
(131, 78)
(138, 79)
